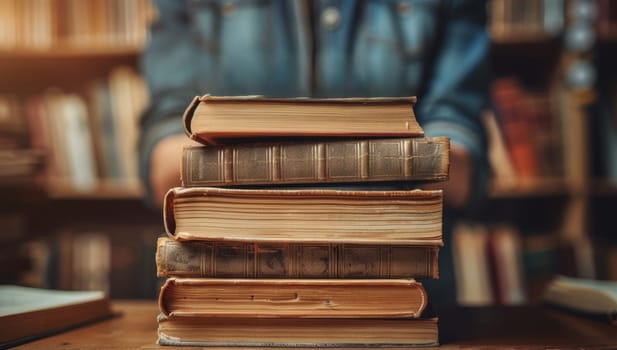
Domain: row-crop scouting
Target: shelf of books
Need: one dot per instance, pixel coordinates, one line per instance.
(88, 138)
(552, 141)
(499, 263)
(78, 108)
(47, 25)
(70, 99)
(525, 21)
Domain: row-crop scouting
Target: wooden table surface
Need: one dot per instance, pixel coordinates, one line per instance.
(530, 327)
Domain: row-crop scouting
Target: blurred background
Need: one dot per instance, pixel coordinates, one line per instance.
(72, 214)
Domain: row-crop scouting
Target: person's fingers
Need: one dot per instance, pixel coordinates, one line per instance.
(457, 188)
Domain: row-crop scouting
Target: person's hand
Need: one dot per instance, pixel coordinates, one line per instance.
(165, 165)
(457, 189)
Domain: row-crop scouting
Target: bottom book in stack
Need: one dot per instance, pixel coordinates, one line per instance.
(297, 332)
(294, 312)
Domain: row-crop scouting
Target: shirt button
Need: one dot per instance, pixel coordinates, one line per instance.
(330, 17)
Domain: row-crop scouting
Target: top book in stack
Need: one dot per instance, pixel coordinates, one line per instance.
(220, 119)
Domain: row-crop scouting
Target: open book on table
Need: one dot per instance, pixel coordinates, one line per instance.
(585, 296)
(30, 313)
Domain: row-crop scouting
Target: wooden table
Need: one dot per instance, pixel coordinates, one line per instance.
(460, 328)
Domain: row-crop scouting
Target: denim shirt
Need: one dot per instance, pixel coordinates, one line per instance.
(437, 50)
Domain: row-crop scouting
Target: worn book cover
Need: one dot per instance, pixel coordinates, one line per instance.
(218, 119)
(30, 313)
(303, 260)
(303, 162)
(293, 298)
(297, 332)
(317, 215)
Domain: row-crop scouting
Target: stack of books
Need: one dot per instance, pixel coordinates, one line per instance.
(294, 225)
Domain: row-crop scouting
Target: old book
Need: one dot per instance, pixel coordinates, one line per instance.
(356, 160)
(29, 313)
(293, 216)
(292, 298)
(212, 119)
(297, 332)
(284, 260)
(588, 297)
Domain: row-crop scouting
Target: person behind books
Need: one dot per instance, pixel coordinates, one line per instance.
(436, 50)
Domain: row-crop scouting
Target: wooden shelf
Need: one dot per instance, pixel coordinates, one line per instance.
(104, 191)
(518, 39)
(536, 187)
(70, 51)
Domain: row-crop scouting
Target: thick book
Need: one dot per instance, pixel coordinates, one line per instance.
(297, 332)
(333, 161)
(284, 260)
(30, 313)
(292, 216)
(214, 119)
(292, 298)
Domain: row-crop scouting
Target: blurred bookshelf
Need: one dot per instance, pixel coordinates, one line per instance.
(552, 131)
(70, 100)
(529, 187)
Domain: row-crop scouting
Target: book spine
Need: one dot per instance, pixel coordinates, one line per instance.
(253, 260)
(398, 159)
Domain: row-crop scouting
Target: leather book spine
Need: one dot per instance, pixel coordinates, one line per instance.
(341, 161)
(259, 260)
